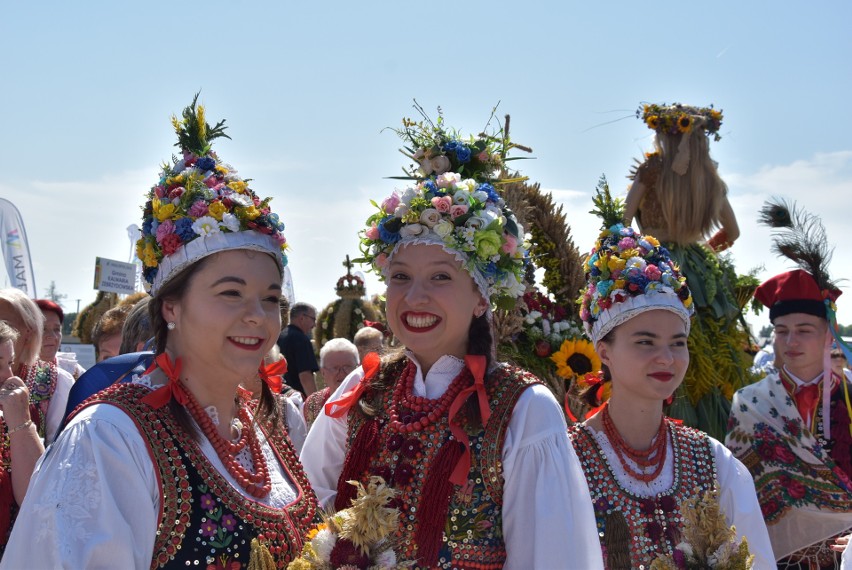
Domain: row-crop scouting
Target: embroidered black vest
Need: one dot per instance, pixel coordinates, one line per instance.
(204, 521)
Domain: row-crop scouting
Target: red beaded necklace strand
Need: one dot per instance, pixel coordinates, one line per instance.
(427, 411)
(642, 458)
(257, 484)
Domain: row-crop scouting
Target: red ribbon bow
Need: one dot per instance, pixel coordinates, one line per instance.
(371, 365)
(272, 373)
(173, 388)
(476, 365)
(376, 325)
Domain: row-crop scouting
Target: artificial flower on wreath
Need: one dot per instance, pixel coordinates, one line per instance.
(452, 200)
(359, 537)
(198, 196)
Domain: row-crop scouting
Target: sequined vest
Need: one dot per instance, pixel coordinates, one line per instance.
(473, 533)
(204, 521)
(653, 523)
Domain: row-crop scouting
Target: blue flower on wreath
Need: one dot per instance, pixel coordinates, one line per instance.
(146, 225)
(149, 273)
(604, 287)
(431, 189)
(490, 271)
(387, 235)
(183, 228)
(463, 154)
(275, 222)
(450, 146)
(489, 189)
(205, 163)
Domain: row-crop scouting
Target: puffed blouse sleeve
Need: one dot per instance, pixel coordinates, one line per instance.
(324, 450)
(93, 500)
(738, 500)
(548, 518)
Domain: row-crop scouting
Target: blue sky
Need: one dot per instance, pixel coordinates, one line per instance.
(307, 87)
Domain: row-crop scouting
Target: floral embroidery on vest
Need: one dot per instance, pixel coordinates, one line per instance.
(653, 522)
(40, 379)
(473, 532)
(203, 519)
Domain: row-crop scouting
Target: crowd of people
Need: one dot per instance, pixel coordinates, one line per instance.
(214, 433)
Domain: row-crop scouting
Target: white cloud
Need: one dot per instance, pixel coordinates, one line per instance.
(69, 223)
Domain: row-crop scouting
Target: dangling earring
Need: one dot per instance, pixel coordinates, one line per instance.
(171, 325)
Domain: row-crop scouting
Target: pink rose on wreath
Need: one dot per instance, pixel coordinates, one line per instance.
(652, 272)
(510, 245)
(176, 192)
(390, 203)
(170, 244)
(626, 243)
(159, 191)
(280, 239)
(457, 210)
(165, 228)
(198, 209)
(372, 232)
(442, 203)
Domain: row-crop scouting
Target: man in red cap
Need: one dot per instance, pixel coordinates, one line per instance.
(792, 429)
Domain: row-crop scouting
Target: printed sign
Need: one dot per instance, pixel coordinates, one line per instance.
(115, 276)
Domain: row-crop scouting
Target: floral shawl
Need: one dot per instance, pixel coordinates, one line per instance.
(804, 495)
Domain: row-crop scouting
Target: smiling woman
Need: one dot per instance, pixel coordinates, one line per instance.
(178, 466)
(641, 466)
(464, 439)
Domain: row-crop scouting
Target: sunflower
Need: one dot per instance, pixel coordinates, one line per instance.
(653, 122)
(684, 123)
(576, 358)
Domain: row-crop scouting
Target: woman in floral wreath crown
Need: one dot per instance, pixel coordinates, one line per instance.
(175, 467)
(678, 196)
(476, 448)
(640, 465)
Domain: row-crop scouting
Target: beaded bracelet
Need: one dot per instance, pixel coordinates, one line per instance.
(24, 425)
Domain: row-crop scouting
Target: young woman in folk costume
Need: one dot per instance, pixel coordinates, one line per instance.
(175, 468)
(792, 428)
(476, 448)
(678, 197)
(640, 465)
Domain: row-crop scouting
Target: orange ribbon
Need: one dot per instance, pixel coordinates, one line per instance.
(272, 373)
(371, 365)
(476, 365)
(173, 388)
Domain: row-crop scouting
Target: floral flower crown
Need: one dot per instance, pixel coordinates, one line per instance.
(676, 118)
(628, 273)
(200, 206)
(454, 203)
